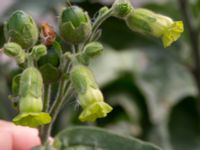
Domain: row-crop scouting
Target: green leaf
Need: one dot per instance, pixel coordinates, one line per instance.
(15, 84)
(49, 73)
(58, 48)
(184, 125)
(51, 58)
(86, 138)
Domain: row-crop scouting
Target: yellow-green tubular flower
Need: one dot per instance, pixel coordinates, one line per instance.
(22, 29)
(147, 22)
(121, 8)
(15, 50)
(30, 103)
(74, 24)
(90, 96)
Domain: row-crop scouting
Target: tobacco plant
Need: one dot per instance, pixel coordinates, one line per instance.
(59, 63)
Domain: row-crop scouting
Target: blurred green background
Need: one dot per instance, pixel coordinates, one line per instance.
(151, 89)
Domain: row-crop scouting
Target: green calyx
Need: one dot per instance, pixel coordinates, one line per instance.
(75, 25)
(31, 83)
(22, 29)
(82, 77)
(15, 50)
(121, 8)
(30, 91)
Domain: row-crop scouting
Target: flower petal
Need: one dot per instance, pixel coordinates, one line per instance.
(172, 33)
(94, 111)
(34, 119)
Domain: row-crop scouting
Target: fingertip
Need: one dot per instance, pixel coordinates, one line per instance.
(24, 138)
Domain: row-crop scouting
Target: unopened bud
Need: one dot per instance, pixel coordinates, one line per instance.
(74, 24)
(15, 50)
(39, 51)
(22, 29)
(121, 8)
(93, 49)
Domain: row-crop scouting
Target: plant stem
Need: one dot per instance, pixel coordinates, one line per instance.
(47, 97)
(54, 113)
(63, 88)
(95, 27)
(194, 38)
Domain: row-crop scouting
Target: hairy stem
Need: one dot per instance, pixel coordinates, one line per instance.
(63, 88)
(95, 27)
(54, 113)
(47, 97)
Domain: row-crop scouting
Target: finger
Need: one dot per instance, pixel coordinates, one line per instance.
(18, 137)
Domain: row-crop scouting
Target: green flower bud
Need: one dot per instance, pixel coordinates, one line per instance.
(15, 50)
(22, 29)
(121, 8)
(31, 83)
(150, 23)
(103, 11)
(74, 24)
(39, 51)
(93, 49)
(91, 98)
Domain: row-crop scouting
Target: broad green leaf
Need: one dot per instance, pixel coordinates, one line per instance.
(86, 138)
(184, 125)
(49, 73)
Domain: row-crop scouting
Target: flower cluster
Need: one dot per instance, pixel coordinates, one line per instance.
(46, 61)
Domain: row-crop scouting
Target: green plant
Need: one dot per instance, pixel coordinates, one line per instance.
(50, 63)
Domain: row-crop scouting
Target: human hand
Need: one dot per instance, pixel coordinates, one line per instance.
(14, 137)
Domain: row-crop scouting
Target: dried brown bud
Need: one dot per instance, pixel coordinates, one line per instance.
(47, 34)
